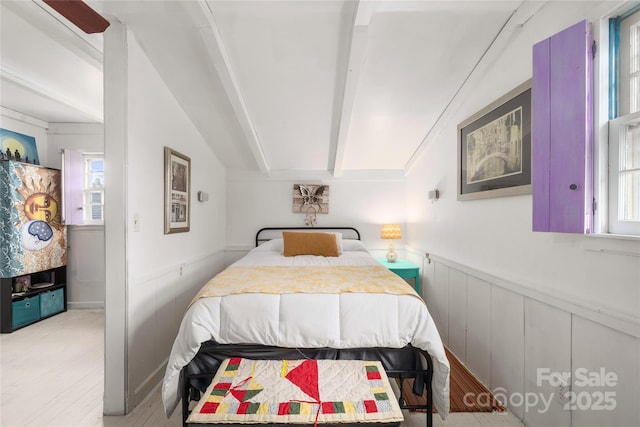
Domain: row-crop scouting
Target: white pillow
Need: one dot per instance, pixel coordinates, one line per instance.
(339, 242)
(274, 245)
(353, 245)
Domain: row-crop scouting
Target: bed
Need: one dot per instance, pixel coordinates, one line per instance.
(271, 306)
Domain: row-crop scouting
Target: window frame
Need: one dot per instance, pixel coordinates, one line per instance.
(616, 225)
(625, 22)
(618, 102)
(87, 189)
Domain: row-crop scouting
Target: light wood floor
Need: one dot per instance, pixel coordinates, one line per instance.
(51, 374)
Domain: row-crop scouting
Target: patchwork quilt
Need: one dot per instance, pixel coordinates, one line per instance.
(298, 391)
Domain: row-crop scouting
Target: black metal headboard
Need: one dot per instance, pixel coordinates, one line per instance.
(268, 233)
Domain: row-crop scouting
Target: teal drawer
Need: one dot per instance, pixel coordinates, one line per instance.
(25, 311)
(51, 302)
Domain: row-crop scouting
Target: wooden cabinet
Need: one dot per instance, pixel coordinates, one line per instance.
(33, 258)
(562, 132)
(45, 295)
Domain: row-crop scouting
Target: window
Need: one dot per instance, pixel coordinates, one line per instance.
(83, 183)
(93, 189)
(624, 128)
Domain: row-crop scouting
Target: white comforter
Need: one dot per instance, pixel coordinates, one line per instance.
(348, 320)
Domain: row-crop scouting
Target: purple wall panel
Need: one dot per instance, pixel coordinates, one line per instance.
(540, 135)
(73, 169)
(568, 128)
(561, 160)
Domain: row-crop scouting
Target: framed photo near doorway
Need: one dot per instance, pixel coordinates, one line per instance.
(494, 148)
(177, 192)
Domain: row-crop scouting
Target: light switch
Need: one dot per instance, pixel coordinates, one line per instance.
(203, 196)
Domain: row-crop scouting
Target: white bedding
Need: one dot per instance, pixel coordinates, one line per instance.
(306, 320)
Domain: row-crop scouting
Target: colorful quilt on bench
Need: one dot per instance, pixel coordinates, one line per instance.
(298, 391)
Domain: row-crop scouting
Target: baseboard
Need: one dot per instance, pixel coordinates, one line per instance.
(148, 385)
(85, 305)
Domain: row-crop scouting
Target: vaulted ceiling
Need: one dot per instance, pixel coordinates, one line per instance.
(271, 85)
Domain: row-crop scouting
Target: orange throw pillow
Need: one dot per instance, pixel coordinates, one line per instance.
(322, 244)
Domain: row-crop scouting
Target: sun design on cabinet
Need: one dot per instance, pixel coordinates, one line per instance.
(40, 217)
(40, 197)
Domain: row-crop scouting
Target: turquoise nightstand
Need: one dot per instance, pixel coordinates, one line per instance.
(404, 269)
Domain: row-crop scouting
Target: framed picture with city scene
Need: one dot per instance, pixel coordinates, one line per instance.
(177, 191)
(494, 148)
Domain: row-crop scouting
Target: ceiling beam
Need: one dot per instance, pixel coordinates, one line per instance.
(24, 118)
(222, 64)
(358, 44)
(345, 96)
(44, 91)
(87, 47)
(80, 14)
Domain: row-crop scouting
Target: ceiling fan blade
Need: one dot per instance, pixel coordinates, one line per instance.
(80, 14)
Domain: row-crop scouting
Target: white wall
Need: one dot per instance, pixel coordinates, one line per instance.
(363, 200)
(151, 276)
(81, 137)
(495, 281)
(573, 265)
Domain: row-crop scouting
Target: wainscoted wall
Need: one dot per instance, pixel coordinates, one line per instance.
(519, 342)
(85, 266)
(150, 276)
(512, 303)
(154, 322)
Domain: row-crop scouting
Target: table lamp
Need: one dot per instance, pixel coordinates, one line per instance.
(391, 232)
